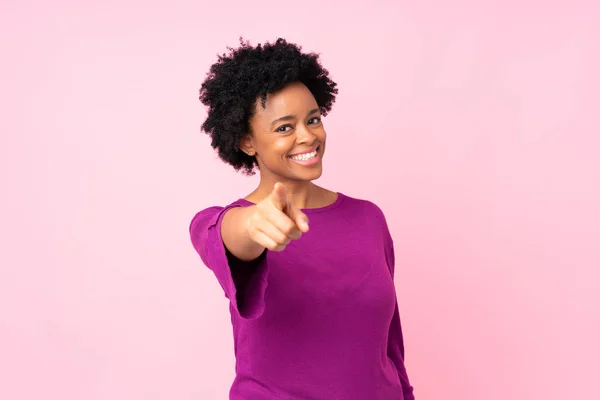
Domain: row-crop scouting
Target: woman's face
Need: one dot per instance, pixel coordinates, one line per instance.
(287, 136)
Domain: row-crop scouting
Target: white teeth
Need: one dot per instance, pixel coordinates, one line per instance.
(305, 157)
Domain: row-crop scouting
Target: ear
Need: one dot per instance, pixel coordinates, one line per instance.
(247, 145)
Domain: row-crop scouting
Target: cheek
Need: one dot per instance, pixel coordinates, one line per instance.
(275, 151)
(321, 133)
(282, 146)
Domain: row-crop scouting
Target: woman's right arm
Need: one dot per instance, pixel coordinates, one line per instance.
(236, 238)
(270, 224)
(232, 241)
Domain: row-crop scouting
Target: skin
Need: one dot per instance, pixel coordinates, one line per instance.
(289, 124)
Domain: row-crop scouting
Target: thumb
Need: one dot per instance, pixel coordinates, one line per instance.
(279, 196)
(299, 218)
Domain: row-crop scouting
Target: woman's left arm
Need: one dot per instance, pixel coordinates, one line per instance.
(395, 339)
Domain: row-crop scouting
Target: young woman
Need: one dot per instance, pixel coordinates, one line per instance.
(308, 271)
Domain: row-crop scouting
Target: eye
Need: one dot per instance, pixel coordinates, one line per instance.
(284, 128)
(314, 120)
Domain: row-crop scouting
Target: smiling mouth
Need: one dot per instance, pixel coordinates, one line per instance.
(306, 156)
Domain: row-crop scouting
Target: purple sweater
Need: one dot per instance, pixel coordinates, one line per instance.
(320, 319)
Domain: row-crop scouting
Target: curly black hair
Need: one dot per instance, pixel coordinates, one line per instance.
(238, 79)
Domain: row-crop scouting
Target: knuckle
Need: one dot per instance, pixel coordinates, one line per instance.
(282, 240)
(281, 247)
(289, 229)
(253, 221)
(260, 214)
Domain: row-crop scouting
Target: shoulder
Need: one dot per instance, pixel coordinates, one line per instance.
(370, 212)
(210, 215)
(363, 206)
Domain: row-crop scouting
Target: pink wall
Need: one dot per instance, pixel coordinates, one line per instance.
(475, 127)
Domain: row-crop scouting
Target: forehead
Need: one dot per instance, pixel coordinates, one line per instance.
(293, 99)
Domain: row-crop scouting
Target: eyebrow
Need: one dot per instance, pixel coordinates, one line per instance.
(291, 117)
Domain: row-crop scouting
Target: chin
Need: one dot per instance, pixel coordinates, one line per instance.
(303, 176)
(314, 175)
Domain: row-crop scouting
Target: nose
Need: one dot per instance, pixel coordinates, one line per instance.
(305, 135)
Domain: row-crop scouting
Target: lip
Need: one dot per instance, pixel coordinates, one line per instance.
(305, 152)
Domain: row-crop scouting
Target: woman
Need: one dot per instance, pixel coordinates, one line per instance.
(308, 271)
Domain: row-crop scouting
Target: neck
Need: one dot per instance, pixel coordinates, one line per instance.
(302, 194)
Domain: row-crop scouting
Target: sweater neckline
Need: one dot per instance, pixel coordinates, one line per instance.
(328, 207)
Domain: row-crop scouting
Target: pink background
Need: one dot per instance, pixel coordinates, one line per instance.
(475, 127)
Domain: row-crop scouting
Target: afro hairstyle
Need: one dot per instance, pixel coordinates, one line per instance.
(246, 74)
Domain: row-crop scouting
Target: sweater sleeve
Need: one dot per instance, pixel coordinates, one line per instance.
(244, 283)
(395, 339)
